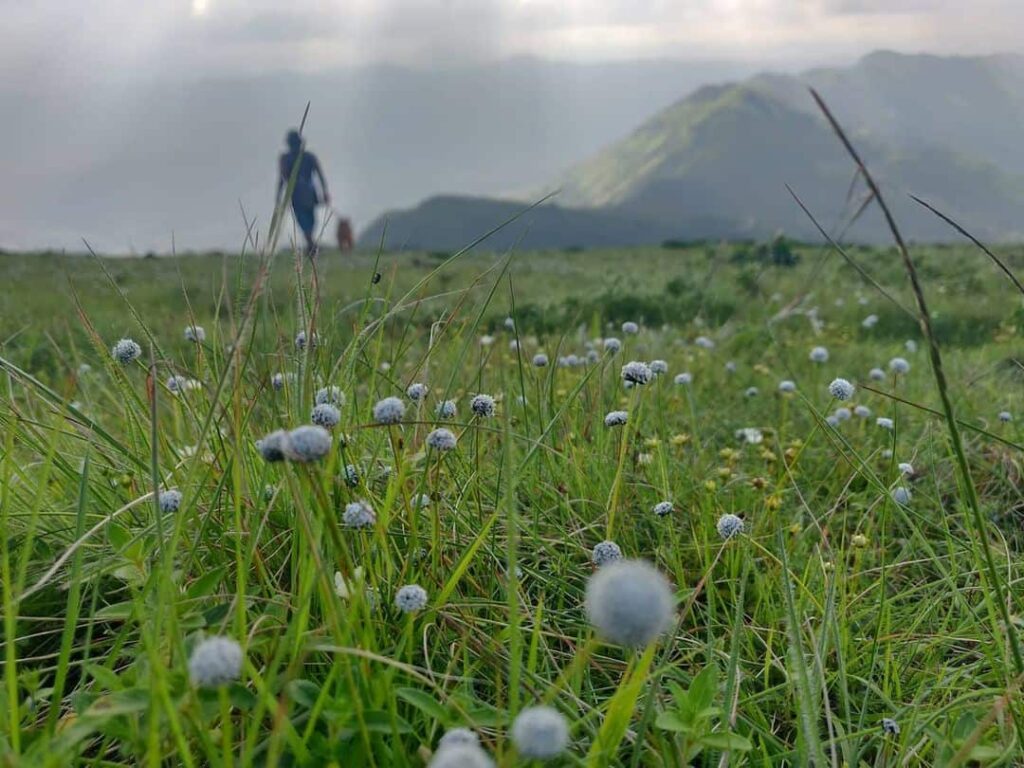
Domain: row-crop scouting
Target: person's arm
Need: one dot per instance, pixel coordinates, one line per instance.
(323, 181)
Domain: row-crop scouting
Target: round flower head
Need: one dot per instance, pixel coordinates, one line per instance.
(272, 447)
(885, 423)
(514, 345)
(910, 346)
(683, 379)
(636, 372)
(390, 410)
(899, 365)
(901, 495)
(1005, 417)
(442, 439)
(461, 756)
(605, 552)
(786, 386)
(177, 383)
(843, 414)
(862, 412)
(486, 340)
(658, 367)
(841, 389)
(445, 409)
(729, 525)
(84, 369)
(215, 661)
(351, 475)
(422, 501)
(751, 435)
(751, 392)
(540, 733)
(300, 340)
(510, 324)
(325, 415)
(592, 356)
(458, 736)
(416, 391)
(704, 342)
(307, 443)
(540, 360)
(616, 418)
(730, 367)
(832, 420)
(277, 381)
(876, 374)
(819, 355)
(125, 351)
(890, 726)
(887, 454)
(332, 395)
(629, 603)
(870, 321)
(410, 598)
(611, 344)
(906, 468)
(195, 333)
(482, 405)
(568, 361)
(629, 327)
(170, 500)
(359, 514)
(663, 508)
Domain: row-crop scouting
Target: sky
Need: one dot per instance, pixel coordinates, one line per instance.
(125, 121)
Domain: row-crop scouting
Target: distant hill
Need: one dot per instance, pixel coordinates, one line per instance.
(718, 160)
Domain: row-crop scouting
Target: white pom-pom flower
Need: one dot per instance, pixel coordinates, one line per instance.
(540, 733)
(636, 372)
(359, 514)
(729, 525)
(411, 598)
(616, 418)
(818, 355)
(215, 661)
(442, 439)
(841, 389)
(629, 603)
(605, 552)
(390, 410)
(899, 365)
(125, 351)
(307, 443)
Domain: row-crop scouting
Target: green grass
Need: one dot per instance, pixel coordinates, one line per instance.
(836, 608)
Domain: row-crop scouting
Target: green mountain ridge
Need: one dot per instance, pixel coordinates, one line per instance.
(717, 162)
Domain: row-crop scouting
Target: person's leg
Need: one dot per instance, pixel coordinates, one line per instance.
(305, 217)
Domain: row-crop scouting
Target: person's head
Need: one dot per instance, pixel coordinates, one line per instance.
(293, 140)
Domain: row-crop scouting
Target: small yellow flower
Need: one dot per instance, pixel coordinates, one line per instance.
(768, 455)
(828, 565)
(725, 472)
(758, 482)
(762, 369)
(680, 439)
(710, 485)
(652, 442)
(859, 540)
(727, 454)
(773, 502)
(795, 528)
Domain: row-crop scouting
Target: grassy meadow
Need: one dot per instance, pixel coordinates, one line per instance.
(859, 618)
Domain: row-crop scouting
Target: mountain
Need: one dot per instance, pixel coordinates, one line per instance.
(719, 159)
(128, 163)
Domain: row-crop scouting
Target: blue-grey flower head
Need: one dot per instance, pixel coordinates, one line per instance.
(390, 410)
(862, 412)
(195, 334)
(300, 340)
(325, 415)
(422, 501)
(170, 500)
(901, 495)
(663, 508)
(442, 439)
(630, 328)
(510, 324)
(461, 756)
(819, 355)
(910, 346)
(786, 386)
(843, 414)
(890, 726)
(272, 447)
(704, 342)
(307, 443)
(482, 405)
(215, 661)
(592, 356)
(841, 389)
(876, 374)
(416, 391)
(616, 418)
(351, 473)
(1005, 417)
(540, 733)
(899, 365)
(832, 420)
(751, 392)
(445, 409)
(410, 598)
(885, 423)
(870, 321)
(278, 380)
(458, 736)
(636, 372)
(729, 525)
(84, 369)
(359, 514)
(540, 360)
(629, 603)
(125, 351)
(683, 378)
(611, 344)
(731, 367)
(906, 468)
(605, 552)
(658, 367)
(331, 394)
(177, 383)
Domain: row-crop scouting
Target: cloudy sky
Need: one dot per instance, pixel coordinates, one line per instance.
(71, 38)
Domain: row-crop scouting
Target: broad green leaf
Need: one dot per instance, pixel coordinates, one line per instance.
(726, 742)
(424, 702)
(670, 721)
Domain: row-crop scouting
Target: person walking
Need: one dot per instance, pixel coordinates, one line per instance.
(305, 195)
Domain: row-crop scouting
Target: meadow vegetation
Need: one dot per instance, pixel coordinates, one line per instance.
(829, 597)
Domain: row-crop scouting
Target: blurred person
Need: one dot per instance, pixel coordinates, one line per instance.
(305, 195)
